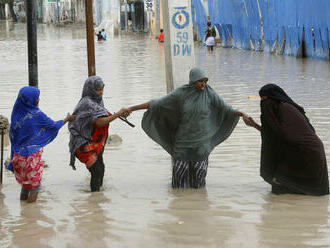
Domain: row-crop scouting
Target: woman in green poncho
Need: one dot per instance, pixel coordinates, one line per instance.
(188, 123)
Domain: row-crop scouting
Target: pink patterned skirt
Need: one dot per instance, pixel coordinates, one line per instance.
(28, 170)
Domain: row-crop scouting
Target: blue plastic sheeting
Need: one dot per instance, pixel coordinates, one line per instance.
(201, 18)
(281, 29)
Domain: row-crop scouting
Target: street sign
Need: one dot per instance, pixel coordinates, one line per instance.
(179, 43)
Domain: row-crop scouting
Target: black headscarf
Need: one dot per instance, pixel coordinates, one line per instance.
(276, 93)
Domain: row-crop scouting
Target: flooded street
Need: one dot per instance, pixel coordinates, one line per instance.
(138, 207)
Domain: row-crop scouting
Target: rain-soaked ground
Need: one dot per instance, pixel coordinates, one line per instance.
(137, 207)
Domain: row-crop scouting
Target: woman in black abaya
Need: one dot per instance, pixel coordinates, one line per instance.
(292, 155)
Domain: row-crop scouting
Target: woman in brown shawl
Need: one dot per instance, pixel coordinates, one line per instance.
(292, 155)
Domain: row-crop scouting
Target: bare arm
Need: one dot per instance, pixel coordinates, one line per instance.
(103, 121)
(69, 118)
(145, 105)
(250, 122)
(240, 114)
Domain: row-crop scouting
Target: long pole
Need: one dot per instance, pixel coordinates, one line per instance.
(126, 16)
(2, 140)
(58, 11)
(31, 16)
(90, 37)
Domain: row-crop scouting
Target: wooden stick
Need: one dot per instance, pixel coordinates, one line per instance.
(2, 140)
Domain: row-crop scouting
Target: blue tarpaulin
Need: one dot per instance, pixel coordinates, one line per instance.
(273, 24)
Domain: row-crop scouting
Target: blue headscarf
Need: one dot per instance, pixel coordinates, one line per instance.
(30, 128)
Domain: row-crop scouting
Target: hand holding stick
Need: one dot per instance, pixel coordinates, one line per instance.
(123, 113)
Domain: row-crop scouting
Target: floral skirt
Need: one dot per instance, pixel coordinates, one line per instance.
(28, 170)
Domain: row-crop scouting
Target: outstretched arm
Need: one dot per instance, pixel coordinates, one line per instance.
(103, 121)
(250, 122)
(69, 118)
(145, 105)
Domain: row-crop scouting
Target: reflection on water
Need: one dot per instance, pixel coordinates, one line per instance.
(297, 221)
(91, 215)
(137, 207)
(190, 219)
(32, 223)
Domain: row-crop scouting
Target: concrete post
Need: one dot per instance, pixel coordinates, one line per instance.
(179, 44)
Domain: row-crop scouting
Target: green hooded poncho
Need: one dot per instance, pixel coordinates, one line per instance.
(188, 124)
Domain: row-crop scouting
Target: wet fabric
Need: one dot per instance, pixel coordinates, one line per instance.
(28, 170)
(26, 192)
(97, 174)
(277, 93)
(89, 152)
(30, 128)
(189, 174)
(291, 152)
(89, 108)
(188, 124)
(196, 74)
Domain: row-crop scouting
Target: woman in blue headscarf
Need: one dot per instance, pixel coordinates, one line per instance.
(30, 131)
(188, 123)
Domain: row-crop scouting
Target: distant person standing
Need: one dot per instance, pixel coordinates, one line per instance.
(99, 36)
(161, 36)
(104, 34)
(210, 35)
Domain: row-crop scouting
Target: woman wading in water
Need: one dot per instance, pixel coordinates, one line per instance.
(292, 155)
(188, 123)
(88, 133)
(30, 131)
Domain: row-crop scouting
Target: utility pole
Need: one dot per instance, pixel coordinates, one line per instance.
(126, 15)
(31, 17)
(58, 11)
(179, 42)
(90, 37)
